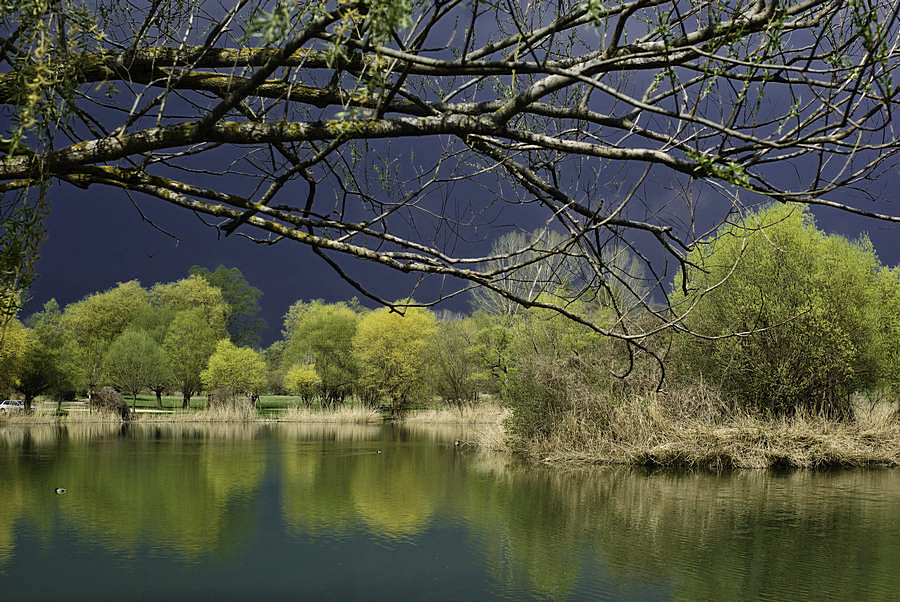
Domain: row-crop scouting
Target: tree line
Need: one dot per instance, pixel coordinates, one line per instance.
(135, 339)
(789, 319)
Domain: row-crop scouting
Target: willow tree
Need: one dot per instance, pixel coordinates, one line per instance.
(399, 133)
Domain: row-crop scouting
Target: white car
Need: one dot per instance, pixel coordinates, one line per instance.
(12, 405)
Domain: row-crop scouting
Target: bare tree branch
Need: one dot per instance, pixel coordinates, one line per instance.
(416, 133)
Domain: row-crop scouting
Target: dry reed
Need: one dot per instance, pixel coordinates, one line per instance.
(483, 413)
(239, 412)
(354, 415)
(699, 430)
(39, 414)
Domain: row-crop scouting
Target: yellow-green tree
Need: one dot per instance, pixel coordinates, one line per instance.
(51, 363)
(802, 319)
(323, 333)
(134, 362)
(189, 343)
(95, 321)
(13, 350)
(389, 348)
(302, 380)
(239, 369)
(194, 292)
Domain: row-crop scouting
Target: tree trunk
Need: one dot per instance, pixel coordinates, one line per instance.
(159, 399)
(186, 401)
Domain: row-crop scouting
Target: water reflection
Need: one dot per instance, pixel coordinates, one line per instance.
(315, 465)
(202, 493)
(126, 488)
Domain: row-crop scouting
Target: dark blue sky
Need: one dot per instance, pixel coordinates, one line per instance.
(97, 238)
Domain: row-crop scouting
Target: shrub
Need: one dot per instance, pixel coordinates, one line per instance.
(537, 396)
(555, 367)
(302, 380)
(239, 368)
(799, 319)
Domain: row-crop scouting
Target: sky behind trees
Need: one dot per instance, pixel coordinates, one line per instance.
(97, 240)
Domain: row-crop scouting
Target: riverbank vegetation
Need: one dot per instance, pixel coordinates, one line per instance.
(658, 430)
(796, 362)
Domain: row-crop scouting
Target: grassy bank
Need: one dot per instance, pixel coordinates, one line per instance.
(657, 431)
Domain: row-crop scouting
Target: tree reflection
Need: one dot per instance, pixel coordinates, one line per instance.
(602, 532)
(330, 489)
(180, 488)
(742, 535)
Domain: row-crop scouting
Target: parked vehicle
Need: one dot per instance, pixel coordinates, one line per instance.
(12, 405)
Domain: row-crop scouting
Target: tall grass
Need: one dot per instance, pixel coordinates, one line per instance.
(242, 412)
(352, 414)
(39, 414)
(238, 412)
(696, 428)
(482, 413)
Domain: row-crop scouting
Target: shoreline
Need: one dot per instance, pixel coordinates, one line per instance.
(742, 443)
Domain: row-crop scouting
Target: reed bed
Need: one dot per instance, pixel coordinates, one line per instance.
(40, 414)
(348, 414)
(226, 413)
(483, 413)
(685, 428)
(656, 431)
(490, 437)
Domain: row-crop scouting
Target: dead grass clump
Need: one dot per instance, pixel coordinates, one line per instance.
(696, 402)
(491, 436)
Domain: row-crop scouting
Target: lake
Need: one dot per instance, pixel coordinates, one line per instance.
(353, 512)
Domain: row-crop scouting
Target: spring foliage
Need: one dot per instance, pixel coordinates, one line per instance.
(302, 380)
(389, 350)
(134, 362)
(189, 342)
(239, 369)
(333, 124)
(801, 319)
(322, 334)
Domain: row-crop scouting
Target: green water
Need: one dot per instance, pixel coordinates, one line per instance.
(379, 513)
